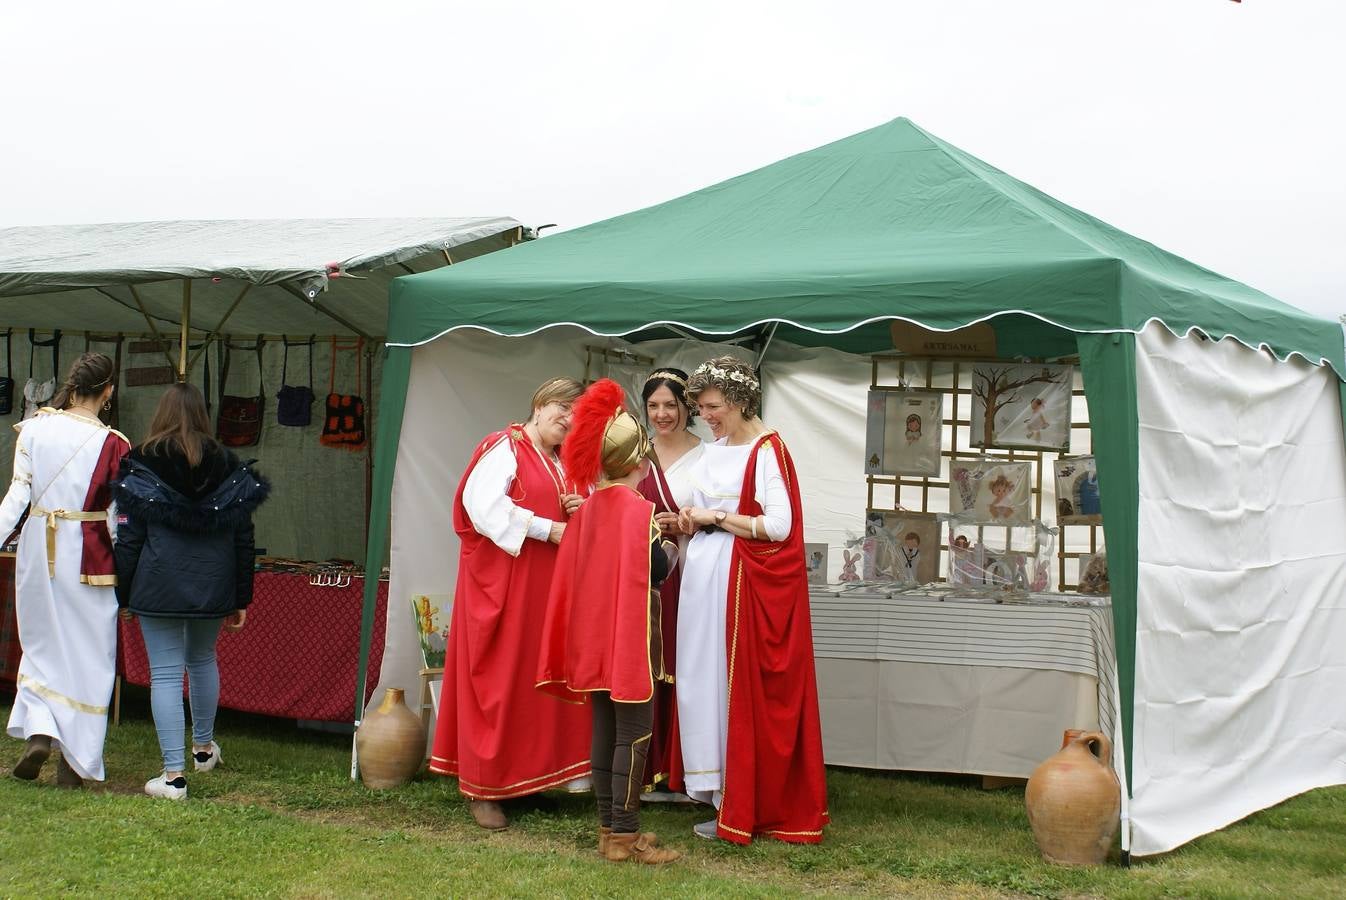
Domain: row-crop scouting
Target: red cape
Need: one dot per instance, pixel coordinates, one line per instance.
(774, 782)
(597, 635)
(496, 733)
(664, 761)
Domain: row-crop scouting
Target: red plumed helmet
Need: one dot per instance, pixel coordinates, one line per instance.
(582, 449)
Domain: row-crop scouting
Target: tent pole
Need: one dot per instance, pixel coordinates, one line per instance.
(158, 335)
(191, 363)
(185, 328)
(761, 354)
(326, 312)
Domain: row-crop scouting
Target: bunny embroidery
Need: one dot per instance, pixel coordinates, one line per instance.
(850, 561)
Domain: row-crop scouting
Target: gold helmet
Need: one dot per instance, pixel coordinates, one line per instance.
(625, 444)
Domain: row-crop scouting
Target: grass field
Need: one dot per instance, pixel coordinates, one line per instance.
(283, 819)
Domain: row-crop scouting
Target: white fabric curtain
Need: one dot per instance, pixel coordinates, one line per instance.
(1241, 632)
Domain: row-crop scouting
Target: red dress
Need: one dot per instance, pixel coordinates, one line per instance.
(774, 781)
(664, 761)
(597, 634)
(496, 732)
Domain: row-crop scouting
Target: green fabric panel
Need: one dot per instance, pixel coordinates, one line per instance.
(392, 405)
(891, 222)
(1108, 363)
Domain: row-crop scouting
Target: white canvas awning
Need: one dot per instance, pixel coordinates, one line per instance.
(324, 276)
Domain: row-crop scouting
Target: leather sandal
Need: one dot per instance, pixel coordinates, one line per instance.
(489, 815)
(34, 757)
(635, 848)
(67, 777)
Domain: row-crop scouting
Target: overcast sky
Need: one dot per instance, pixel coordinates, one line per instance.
(1211, 128)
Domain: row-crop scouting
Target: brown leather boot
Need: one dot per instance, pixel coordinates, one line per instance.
(489, 815)
(67, 777)
(604, 832)
(635, 848)
(34, 757)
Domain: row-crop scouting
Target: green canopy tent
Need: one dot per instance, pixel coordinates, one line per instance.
(827, 248)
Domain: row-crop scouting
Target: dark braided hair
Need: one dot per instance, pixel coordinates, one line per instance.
(88, 376)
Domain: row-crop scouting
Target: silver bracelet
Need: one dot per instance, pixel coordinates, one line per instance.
(753, 520)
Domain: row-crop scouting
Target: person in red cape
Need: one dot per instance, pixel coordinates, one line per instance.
(676, 448)
(601, 638)
(747, 696)
(496, 733)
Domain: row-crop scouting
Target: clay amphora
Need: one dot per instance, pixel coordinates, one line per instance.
(390, 743)
(1074, 801)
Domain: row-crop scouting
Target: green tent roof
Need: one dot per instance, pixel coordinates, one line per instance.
(891, 223)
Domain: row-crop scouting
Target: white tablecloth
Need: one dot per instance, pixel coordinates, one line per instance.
(958, 686)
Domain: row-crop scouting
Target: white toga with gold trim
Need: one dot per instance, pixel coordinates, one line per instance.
(68, 629)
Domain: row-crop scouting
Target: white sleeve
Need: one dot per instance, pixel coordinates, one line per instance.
(20, 489)
(493, 514)
(773, 496)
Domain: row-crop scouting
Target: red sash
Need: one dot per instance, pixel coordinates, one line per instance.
(774, 782)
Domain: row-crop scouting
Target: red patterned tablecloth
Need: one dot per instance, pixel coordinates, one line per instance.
(9, 627)
(297, 655)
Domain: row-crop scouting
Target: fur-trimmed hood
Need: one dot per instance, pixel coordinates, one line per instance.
(140, 492)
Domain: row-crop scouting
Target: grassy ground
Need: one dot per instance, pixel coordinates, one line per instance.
(282, 819)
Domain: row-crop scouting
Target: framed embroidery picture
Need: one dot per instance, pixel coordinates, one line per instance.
(991, 492)
(901, 546)
(1022, 406)
(903, 432)
(1077, 501)
(815, 563)
(431, 613)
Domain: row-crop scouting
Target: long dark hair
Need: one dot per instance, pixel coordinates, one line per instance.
(180, 424)
(88, 376)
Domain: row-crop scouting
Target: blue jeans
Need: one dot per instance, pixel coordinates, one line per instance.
(172, 646)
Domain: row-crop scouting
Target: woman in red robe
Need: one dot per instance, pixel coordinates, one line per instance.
(676, 449)
(496, 733)
(747, 696)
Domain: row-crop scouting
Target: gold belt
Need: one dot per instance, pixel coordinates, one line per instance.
(78, 515)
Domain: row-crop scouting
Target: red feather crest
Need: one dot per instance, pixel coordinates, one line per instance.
(582, 449)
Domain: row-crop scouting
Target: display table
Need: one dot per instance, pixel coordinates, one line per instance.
(924, 684)
(298, 654)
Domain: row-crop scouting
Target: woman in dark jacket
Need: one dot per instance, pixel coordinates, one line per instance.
(184, 566)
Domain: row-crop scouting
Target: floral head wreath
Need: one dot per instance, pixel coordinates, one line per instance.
(718, 374)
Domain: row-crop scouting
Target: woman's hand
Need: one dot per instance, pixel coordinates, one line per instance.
(234, 621)
(570, 503)
(693, 517)
(125, 614)
(667, 522)
(557, 530)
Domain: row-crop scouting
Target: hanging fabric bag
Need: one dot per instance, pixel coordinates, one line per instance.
(344, 426)
(240, 421)
(7, 382)
(142, 376)
(294, 405)
(37, 394)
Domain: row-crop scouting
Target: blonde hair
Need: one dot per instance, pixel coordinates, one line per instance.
(557, 390)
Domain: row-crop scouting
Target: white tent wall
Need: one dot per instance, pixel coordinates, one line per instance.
(316, 509)
(1241, 634)
(468, 384)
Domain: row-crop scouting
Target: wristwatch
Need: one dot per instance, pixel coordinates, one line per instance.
(720, 517)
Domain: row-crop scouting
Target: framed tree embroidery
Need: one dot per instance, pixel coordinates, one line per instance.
(1018, 406)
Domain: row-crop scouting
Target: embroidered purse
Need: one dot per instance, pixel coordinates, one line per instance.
(344, 425)
(240, 420)
(37, 394)
(294, 405)
(7, 382)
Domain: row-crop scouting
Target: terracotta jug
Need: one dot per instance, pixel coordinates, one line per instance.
(390, 743)
(1074, 801)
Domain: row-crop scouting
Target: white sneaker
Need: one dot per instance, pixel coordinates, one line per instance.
(708, 830)
(160, 786)
(204, 761)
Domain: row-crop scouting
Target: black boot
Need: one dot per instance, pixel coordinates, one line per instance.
(34, 757)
